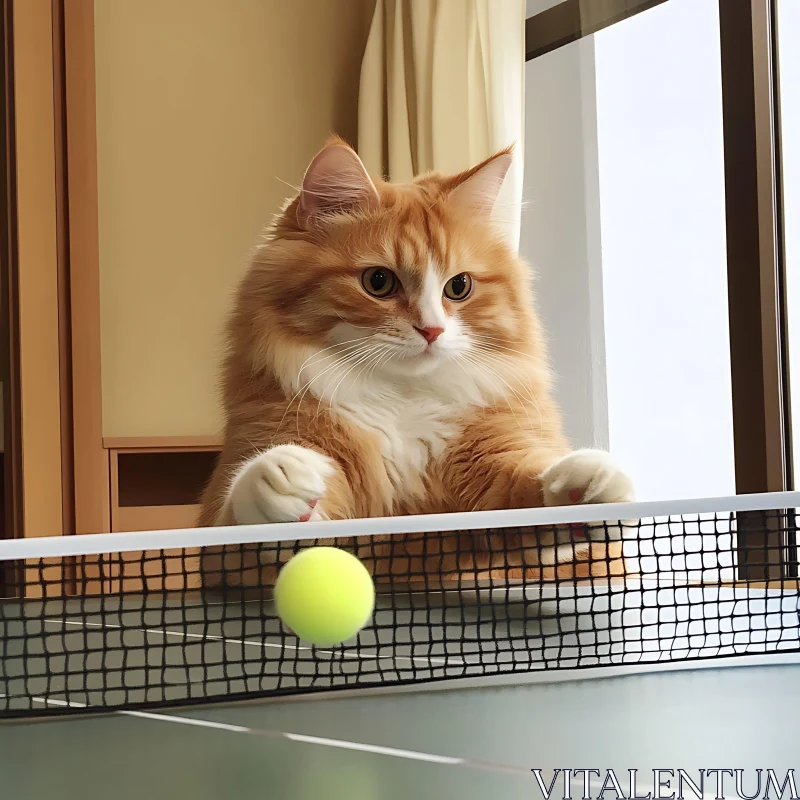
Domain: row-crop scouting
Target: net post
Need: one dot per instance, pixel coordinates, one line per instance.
(763, 545)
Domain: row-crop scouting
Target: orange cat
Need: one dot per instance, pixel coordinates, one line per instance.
(385, 358)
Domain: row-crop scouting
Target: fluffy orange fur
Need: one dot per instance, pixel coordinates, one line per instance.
(305, 282)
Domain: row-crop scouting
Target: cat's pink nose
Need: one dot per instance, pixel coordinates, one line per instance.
(429, 334)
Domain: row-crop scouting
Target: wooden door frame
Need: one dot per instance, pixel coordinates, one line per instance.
(62, 271)
(9, 329)
(39, 298)
(90, 458)
(50, 245)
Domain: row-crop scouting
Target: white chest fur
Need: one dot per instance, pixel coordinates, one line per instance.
(412, 432)
(411, 418)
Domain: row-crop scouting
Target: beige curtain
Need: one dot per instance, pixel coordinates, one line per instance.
(442, 87)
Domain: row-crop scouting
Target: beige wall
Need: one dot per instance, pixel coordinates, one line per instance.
(203, 109)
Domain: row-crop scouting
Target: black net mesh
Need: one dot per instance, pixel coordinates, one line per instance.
(150, 629)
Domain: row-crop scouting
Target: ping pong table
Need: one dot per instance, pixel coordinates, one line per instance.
(123, 686)
(471, 743)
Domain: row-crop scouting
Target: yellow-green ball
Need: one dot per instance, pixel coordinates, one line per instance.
(324, 595)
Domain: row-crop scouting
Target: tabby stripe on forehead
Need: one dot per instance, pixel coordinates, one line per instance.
(406, 252)
(426, 223)
(439, 245)
(418, 245)
(403, 224)
(395, 245)
(437, 233)
(413, 279)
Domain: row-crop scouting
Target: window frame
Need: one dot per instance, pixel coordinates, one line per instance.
(756, 270)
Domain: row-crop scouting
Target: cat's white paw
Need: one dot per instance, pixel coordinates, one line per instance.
(588, 476)
(283, 484)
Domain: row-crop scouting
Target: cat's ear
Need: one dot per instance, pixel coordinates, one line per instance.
(476, 189)
(335, 182)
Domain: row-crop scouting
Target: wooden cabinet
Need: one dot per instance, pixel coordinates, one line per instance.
(156, 487)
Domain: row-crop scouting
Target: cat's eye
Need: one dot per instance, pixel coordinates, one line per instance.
(379, 282)
(458, 287)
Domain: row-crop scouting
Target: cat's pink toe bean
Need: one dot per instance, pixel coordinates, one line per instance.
(575, 495)
(306, 517)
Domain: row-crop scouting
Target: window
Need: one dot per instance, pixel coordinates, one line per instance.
(625, 224)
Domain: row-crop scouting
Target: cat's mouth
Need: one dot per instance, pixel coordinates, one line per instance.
(428, 354)
(414, 351)
(415, 361)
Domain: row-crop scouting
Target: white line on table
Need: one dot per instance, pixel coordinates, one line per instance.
(392, 752)
(364, 655)
(300, 738)
(374, 748)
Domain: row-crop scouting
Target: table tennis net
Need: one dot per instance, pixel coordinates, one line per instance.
(195, 623)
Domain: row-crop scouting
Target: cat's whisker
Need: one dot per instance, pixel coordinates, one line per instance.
(303, 389)
(510, 354)
(307, 388)
(338, 363)
(501, 359)
(494, 338)
(366, 357)
(353, 351)
(529, 395)
(370, 364)
(385, 351)
(511, 407)
(496, 377)
(499, 354)
(364, 362)
(344, 346)
(510, 359)
(494, 370)
(485, 366)
(477, 335)
(493, 343)
(457, 360)
(312, 368)
(498, 345)
(338, 344)
(347, 351)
